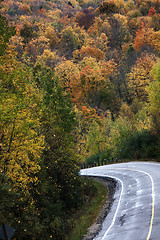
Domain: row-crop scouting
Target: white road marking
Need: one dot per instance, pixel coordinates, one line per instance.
(114, 218)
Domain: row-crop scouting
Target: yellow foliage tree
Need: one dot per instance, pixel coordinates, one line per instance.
(139, 77)
(20, 139)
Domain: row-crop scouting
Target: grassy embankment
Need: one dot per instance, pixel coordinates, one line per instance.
(87, 215)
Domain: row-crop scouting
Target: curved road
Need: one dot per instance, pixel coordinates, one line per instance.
(135, 213)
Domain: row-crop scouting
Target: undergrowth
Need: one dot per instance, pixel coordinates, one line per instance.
(83, 218)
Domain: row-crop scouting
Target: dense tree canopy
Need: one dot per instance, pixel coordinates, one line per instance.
(79, 83)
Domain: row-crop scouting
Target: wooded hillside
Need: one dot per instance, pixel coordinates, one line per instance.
(79, 82)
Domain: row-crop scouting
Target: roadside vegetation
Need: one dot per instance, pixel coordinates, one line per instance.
(79, 84)
(83, 218)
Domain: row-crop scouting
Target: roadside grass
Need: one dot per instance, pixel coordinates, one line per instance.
(87, 215)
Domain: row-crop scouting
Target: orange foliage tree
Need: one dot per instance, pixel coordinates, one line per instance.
(88, 81)
(93, 52)
(146, 36)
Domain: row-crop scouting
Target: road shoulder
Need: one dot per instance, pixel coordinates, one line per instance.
(110, 184)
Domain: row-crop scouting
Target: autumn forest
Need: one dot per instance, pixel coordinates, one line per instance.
(79, 83)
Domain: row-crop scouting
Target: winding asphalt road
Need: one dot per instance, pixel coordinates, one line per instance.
(135, 213)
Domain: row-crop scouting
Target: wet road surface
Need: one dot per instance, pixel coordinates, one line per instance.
(135, 213)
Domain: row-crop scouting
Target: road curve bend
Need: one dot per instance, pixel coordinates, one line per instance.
(135, 213)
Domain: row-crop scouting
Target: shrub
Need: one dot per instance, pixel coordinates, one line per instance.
(108, 7)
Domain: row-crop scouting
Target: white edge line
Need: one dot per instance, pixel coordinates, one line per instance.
(114, 218)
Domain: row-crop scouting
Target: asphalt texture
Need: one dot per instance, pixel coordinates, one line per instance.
(135, 213)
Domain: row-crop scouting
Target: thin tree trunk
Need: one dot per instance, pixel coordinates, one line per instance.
(9, 149)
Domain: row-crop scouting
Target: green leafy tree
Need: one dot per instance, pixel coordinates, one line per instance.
(154, 97)
(27, 32)
(59, 168)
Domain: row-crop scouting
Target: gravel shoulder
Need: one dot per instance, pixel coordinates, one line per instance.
(110, 184)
